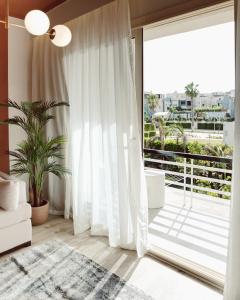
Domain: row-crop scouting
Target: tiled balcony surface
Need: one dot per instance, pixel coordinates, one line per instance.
(198, 233)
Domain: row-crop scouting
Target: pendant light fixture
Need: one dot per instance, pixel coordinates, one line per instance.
(37, 23)
(60, 35)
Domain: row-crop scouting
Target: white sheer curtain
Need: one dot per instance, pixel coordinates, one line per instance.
(48, 83)
(232, 285)
(109, 193)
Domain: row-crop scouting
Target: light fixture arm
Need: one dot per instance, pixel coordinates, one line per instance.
(52, 34)
(8, 24)
(7, 14)
(60, 35)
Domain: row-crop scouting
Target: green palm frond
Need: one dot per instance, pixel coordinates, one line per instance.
(18, 170)
(217, 150)
(11, 104)
(18, 157)
(191, 90)
(40, 108)
(177, 129)
(56, 169)
(153, 101)
(20, 122)
(51, 104)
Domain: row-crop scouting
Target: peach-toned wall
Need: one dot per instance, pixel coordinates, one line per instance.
(4, 160)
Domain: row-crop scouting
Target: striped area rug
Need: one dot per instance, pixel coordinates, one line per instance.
(54, 270)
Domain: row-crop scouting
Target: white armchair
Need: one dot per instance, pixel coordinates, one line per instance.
(15, 214)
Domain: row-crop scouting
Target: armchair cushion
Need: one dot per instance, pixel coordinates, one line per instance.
(9, 218)
(6, 176)
(9, 194)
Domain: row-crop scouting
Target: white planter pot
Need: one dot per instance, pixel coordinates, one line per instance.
(155, 180)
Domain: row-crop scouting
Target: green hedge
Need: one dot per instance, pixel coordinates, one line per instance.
(173, 146)
(152, 133)
(193, 147)
(210, 126)
(185, 125)
(149, 127)
(150, 130)
(210, 109)
(149, 134)
(170, 145)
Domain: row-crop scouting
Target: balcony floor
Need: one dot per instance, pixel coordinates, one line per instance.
(198, 234)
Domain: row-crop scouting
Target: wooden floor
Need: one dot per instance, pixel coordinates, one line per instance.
(156, 279)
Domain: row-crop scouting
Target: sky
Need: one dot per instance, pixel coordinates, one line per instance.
(204, 56)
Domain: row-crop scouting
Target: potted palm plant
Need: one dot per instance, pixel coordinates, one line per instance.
(37, 155)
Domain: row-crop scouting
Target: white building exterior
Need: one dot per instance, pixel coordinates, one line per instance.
(208, 100)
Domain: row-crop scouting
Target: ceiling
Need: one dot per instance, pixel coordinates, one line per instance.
(19, 8)
(200, 19)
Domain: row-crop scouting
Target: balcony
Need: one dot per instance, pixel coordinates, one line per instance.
(194, 222)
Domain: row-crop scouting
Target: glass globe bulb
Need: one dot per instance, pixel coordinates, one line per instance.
(37, 22)
(60, 35)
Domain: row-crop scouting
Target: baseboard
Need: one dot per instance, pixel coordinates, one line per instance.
(199, 272)
(27, 244)
(56, 212)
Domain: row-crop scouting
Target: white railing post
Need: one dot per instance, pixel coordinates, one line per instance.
(185, 179)
(191, 183)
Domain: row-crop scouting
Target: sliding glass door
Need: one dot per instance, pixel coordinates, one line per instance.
(188, 120)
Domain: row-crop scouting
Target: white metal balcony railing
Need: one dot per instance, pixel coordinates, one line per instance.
(215, 180)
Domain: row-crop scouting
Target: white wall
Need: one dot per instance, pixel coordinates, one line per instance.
(19, 73)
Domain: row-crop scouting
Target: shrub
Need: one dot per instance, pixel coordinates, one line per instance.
(171, 145)
(185, 125)
(152, 133)
(210, 126)
(149, 127)
(154, 144)
(213, 108)
(195, 147)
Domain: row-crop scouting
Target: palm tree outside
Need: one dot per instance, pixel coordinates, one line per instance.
(152, 102)
(168, 130)
(191, 91)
